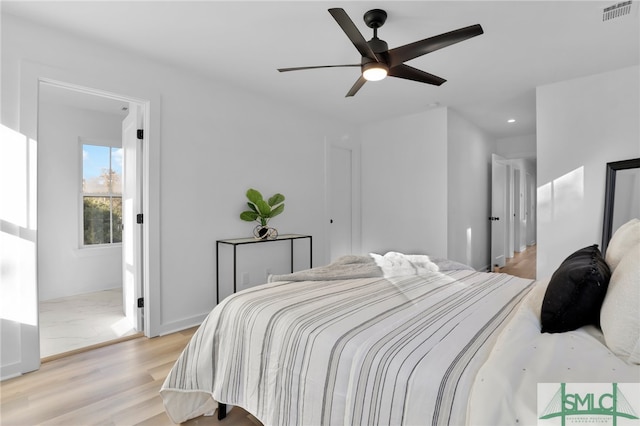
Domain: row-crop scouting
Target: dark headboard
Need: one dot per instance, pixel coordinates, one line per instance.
(612, 218)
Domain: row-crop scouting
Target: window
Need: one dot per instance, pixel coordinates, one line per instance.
(101, 194)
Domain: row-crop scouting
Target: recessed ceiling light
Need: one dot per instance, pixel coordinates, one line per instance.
(511, 120)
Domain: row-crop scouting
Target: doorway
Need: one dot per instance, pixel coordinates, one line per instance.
(513, 214)
(81, 220)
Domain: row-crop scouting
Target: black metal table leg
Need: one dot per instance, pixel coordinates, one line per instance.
(222, 410)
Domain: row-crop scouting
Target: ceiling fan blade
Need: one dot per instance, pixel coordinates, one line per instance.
(358, 84)
(318, 66)
(411, 73)
(409, 51)
(352, 32)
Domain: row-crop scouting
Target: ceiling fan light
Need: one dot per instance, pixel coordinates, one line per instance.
(374, 71)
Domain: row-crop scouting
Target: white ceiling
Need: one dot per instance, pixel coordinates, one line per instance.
(491, 78)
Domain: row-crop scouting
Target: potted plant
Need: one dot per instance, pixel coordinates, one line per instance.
(262, 211)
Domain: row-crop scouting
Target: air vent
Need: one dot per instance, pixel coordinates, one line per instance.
(617, 10)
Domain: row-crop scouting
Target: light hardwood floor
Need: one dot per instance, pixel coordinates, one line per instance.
(113, 385)
(522, 264)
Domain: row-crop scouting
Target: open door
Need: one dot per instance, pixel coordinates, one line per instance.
(498, 216)
(132, 217)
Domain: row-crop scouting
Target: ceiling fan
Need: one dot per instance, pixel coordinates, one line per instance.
(378, 61)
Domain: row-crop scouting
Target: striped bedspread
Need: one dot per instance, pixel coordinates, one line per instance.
(399, 351)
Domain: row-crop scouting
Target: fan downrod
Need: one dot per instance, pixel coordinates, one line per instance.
(375, 18)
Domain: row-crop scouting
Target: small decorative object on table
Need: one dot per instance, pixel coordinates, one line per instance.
(262, 211)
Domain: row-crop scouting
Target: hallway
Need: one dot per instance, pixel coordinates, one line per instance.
(522, 264)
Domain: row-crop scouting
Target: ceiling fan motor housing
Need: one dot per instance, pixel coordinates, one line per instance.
(375, 18)
(377, 45)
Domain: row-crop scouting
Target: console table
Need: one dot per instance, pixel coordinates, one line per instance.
(235, 242)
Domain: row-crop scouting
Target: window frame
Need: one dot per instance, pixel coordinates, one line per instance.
(112, 144)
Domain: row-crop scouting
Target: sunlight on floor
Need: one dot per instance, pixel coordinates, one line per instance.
(121, 327)
(75, 322)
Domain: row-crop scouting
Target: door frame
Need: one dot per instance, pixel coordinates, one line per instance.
(143, 109)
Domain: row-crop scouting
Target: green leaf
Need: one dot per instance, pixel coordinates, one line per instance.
(264, 209)
(249, 216)
(261, 210)
(276, 199)
(275, 212)
(254, 196)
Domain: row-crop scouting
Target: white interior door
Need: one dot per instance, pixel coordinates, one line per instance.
(131, 207)
(340, 202)
(498, 210)
(531, 210)
(517, 211)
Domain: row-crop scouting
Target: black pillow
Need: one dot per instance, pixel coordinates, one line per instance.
(576, 291)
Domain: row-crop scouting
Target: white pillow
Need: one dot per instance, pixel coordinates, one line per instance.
(620, 312)
(625, 237)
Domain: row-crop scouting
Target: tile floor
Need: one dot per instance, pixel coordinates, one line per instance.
(71, 323)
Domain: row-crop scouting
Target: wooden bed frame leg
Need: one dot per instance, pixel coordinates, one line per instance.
(222, 411)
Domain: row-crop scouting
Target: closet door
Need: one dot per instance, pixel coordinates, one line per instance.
(340, 202)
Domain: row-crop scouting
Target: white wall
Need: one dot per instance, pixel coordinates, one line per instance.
(426, 186)
(209, 142)
(469, 192)
(523, 146)
(404, 184)
(582, 124)
(65, 269)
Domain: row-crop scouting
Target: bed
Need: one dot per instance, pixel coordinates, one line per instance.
(391, 339)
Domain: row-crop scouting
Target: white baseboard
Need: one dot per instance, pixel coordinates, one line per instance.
(10, 371)
(175, 326)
